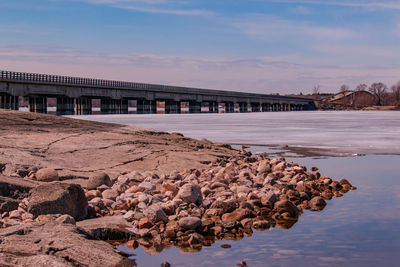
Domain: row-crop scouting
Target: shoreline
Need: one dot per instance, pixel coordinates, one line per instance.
(225, 193)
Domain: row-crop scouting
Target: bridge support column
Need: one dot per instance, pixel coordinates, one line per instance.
(243, 107)
(38, 104)
(172, 107)
(266, 107)
(255, 107)
(65, 106)
(9, 102)
(212, 107)
(83, 106)
(107, 106)
(229, 107)
(194, 107)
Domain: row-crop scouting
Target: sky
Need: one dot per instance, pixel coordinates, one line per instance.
(261, 46)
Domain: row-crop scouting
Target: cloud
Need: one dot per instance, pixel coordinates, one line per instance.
(277, 74)
(275, 28)
(301, 10)
(373, 5)
(168, 7)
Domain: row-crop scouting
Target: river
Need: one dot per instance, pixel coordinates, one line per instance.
(359, 229)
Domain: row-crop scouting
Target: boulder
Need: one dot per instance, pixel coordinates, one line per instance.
(97, 180)
(189, 223)
(107, 228)
(190, 193)
(155, 214)
(68, 219)
(238, 215)
(8, 204)
(269, 199)
(58, 198)
(145, 223)
(47, 175)
(15, 188)
(110, 194)
(55, 244)
(226, 206)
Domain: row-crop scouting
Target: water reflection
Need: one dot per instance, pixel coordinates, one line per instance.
(359, 229)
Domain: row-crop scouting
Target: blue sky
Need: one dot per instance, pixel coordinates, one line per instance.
(263, 46)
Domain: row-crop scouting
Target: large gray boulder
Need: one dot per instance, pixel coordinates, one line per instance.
(58, 198)
(155, 214)
(98, 179)
(47, 175)
(55, 244)
(190, 193)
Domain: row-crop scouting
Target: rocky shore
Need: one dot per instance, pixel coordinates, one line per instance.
(50, 211)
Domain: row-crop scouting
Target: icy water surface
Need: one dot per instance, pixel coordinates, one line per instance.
(350, 132)
(359, 229)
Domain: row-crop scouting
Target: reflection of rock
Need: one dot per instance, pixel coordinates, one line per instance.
(317, 203)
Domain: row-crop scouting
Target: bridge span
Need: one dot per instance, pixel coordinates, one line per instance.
(76, 95)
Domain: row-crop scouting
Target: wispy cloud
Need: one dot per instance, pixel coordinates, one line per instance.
(277, 29)
(280, 74)
(302, 10)
(361, 4)
(169, 7)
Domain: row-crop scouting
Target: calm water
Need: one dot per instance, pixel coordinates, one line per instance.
(359, 229)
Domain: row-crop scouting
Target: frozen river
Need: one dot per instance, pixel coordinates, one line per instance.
(359, 229)
(347, 132)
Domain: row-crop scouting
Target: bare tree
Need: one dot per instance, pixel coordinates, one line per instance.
(396, 93)
(316, 89)
(379, 91)
(344, 88)
(361, 87)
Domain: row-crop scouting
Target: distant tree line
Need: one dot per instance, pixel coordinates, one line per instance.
(384, 95)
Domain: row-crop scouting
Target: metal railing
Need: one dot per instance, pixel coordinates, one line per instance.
(110, 84)
(57, 79)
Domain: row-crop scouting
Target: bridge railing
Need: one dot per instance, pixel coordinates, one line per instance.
(45, 78)
(109, 84)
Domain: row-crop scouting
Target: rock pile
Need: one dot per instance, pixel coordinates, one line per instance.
(228, 200)
(195, 207)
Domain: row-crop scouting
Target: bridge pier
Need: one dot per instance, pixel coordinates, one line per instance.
(65, 106)
(146, 106)
(110, 106)
(194, 107)
(229, 107)
(172, 107)
(38, 104)
(212, 107)
(9, 102)
(83, 106)
(266, 107)
(243, 108)
(255, 107)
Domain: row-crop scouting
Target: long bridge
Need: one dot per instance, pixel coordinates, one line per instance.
(75, 96)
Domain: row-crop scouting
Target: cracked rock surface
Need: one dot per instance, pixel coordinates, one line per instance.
(55, 244)
(77, 148)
